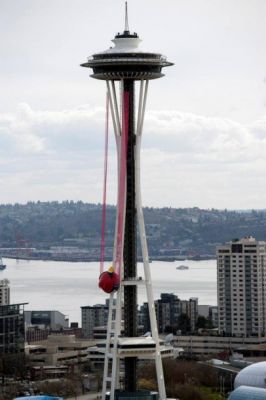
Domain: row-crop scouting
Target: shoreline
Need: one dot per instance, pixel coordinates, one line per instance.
(75, 259)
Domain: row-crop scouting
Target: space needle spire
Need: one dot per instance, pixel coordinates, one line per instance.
(126, 18)
(125, 68)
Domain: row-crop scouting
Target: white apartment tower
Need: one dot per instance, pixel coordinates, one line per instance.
(241, 280)
(4, 292)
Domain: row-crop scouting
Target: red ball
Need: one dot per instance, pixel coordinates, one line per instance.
(116, 280)
(109, 282)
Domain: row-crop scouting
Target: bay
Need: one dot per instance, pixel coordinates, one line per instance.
(66, 286)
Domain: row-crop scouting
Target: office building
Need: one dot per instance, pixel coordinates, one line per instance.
(12, 328)
(4, 292)
(190, 308)
(168, 309)
(241, 279)
(53, 320)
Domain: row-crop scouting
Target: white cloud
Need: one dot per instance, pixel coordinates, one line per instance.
(187, 159)
(204, 138)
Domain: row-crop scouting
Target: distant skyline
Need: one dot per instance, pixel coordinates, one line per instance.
(204, 139)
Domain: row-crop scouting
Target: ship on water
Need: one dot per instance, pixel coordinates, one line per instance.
(2, 265)
(182, 267)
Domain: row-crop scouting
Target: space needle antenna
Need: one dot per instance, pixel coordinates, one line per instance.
(126, 18)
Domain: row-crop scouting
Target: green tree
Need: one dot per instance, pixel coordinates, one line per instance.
(203, 323)
(183, 323)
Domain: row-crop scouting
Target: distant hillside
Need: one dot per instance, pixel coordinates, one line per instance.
(170, 231)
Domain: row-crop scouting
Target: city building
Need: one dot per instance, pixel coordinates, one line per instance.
(4, 292)
(12, 328)
(53, 320)
(202, 345)
(58, 350)
(93, 316)
(241, 279)
(204, 310)
(168, 309)
(190, 308)
(35, 333)
(213, 316)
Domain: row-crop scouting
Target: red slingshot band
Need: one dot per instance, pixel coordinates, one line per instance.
(110, 279)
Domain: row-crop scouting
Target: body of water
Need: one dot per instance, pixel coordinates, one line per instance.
(64, 286)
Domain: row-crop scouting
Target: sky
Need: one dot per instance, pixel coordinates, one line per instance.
(204, 139)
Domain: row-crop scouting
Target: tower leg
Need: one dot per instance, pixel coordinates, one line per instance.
(133, 209)
(144, 248)
(114, 318)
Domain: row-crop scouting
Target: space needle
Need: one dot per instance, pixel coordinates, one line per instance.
(127, 71)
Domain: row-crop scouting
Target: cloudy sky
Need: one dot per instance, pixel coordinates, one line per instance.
(205, 129)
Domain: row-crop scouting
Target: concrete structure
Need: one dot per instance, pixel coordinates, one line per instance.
(196, 345)
(12, 328)
(45, 372)
(256, 352)
(36, 334)
(241, 281)
(100, 332)
(47, 319)
(4, 292)
(93, 316)
(58, 350)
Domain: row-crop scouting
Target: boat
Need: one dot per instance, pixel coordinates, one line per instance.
(182, 267)
(2, 265)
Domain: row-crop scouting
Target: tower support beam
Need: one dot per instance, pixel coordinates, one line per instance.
(130, 242)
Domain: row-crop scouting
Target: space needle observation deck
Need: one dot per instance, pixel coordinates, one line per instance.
(126, 61)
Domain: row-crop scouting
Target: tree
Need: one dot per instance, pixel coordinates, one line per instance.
(203, 323)
(183, 323)
(13, 364)
(147, 384)
(170, 329)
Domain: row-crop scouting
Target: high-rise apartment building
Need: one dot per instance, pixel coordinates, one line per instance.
(4, 292)
(190, 308)
(241, 280)
(92, 316)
